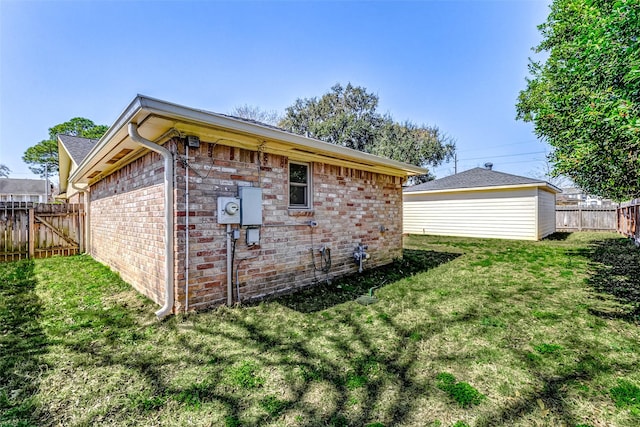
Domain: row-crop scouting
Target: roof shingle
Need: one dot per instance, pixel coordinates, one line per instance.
(77, 147)
(474, 178)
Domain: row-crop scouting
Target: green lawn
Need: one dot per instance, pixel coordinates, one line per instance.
(465, 332)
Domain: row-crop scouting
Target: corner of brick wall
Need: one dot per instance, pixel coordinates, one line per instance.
(350, 206)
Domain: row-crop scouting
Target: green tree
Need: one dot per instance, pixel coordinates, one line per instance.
(4, 171)
(348, 116)
(344, 116)
(44, 155)
(417, 145)
(44, 158)
(584, 100)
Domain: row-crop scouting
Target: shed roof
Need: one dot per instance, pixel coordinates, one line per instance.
(479, 178)
(22, 186)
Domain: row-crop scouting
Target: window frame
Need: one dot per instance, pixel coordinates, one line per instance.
(307, 186)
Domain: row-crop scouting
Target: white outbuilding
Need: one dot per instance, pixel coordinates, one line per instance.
(483, 203)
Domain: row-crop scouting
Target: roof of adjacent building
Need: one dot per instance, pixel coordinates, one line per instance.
(22, 186)
(478, 178)
(77, 147)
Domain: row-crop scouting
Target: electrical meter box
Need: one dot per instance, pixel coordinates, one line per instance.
(228, 210)
(250, 206)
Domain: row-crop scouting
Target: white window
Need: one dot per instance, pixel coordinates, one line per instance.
(299, 185)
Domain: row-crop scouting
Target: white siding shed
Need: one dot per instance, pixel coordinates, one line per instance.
(481, 203)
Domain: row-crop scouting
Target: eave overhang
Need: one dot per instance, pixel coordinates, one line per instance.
(157, 120)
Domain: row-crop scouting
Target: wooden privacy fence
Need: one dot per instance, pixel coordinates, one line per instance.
(586, 218)
(30, 230)
(629, 219)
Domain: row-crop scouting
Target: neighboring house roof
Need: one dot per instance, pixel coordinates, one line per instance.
(159, 120)
(72, 150)
(479, 178)
(22, 186)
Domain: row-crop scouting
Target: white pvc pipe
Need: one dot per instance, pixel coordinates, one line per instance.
(167, 308)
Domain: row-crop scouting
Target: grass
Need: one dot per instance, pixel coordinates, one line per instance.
(463, 393)
(548, 332)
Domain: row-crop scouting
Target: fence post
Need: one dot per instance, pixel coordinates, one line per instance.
(32, 234)
(579, 218)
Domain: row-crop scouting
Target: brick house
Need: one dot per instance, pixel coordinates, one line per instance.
(196, 209)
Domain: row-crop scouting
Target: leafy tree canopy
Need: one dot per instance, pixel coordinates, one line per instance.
(44, 155)
(4, 171)
(417, 145)
(348, 116)
(585, 98)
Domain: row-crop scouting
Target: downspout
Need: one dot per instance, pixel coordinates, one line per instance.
(229, 268)
(87, 220)
(186, 240)
(167, 308)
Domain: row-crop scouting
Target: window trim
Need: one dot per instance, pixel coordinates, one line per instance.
(307, 186)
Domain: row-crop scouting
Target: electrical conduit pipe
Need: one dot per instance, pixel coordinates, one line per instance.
(167, 308)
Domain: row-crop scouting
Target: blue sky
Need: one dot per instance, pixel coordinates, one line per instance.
(455, 64)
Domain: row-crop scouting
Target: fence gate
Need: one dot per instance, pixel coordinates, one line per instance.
(629, 219)
(40, 230)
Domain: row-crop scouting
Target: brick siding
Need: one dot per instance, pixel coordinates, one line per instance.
(127, 224)
(350, 206)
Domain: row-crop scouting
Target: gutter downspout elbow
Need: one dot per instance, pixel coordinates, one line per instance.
(167, 308)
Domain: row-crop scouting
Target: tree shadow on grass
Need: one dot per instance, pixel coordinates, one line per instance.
(559, 236)
(22, 343)
(615, 265)
(325, 295)
(366, 382)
